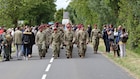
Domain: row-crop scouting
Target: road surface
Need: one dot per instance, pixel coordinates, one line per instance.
(93, 66)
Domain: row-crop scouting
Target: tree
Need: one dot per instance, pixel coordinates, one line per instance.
(59, 15)
(33, 11)
(129, 17)
(40, 12)
(11, 9)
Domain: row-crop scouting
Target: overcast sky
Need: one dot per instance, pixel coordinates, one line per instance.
(62, 4)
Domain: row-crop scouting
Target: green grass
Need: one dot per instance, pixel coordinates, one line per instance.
(131, 63)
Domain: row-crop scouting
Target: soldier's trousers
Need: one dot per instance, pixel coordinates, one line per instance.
(95, 44)
(42, 52)
(7, 52)
(69, 49)
(82, 49)
(56, 49)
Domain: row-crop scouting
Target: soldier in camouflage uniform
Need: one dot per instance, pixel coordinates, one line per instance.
(82, 39)
(6, 46)
(61, 31)
(95, 35)
(69, 40)
(40, 41)
(55, 41)
(76, 32)
(48, 33)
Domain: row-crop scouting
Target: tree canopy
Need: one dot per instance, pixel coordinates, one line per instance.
(34, 12)
(116, 12)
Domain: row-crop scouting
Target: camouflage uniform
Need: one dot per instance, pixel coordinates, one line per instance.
(48, 33)
(68, 41)
(55, 41)
(82, 39)
(40, 41)
(61, 32)
(95, 35)
(6, 46)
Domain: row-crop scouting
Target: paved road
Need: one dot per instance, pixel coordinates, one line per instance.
(93, 66)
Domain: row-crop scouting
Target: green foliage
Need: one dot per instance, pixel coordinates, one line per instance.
(116, 12)
(35, 11)
(40, 12)
(129, 17)
(11, 9)
(59, 15)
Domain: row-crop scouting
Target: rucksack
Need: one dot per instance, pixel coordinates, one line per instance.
(26, 39)
(124, 39)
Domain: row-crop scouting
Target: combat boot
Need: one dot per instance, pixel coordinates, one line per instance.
(58, 55)
(68, 55)
(71, 55)
(82, 56)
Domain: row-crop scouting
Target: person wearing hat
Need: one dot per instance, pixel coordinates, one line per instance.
(55, 41)
(40, 40)
(48, 33)
(69, 40)
(60, 29)
(82, 39)
(95, 35)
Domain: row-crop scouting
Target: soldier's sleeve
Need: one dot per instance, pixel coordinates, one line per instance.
(77, 37)
(74, 39)
(51, 38)
(64, 36)
(100, 34)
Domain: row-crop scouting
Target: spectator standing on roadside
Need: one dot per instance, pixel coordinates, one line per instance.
(122, 42)
(105, 38)
(17, 40)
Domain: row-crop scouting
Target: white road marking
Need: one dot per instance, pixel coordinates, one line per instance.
(51, 60)
(44, 76)
(48, 67)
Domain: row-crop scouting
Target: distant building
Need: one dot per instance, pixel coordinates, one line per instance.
(66, 18)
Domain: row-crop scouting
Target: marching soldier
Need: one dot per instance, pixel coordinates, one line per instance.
(61, 31)
(40, 41)
(95, 35)
(55, 41)
(48, 33)
(69, 40)
(82, 39)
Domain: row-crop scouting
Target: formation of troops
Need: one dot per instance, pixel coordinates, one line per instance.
(58, 36)
(45, 36)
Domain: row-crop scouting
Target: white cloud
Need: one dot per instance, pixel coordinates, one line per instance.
(62, 4)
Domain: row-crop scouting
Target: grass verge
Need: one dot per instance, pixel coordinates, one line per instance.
(131, 63)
